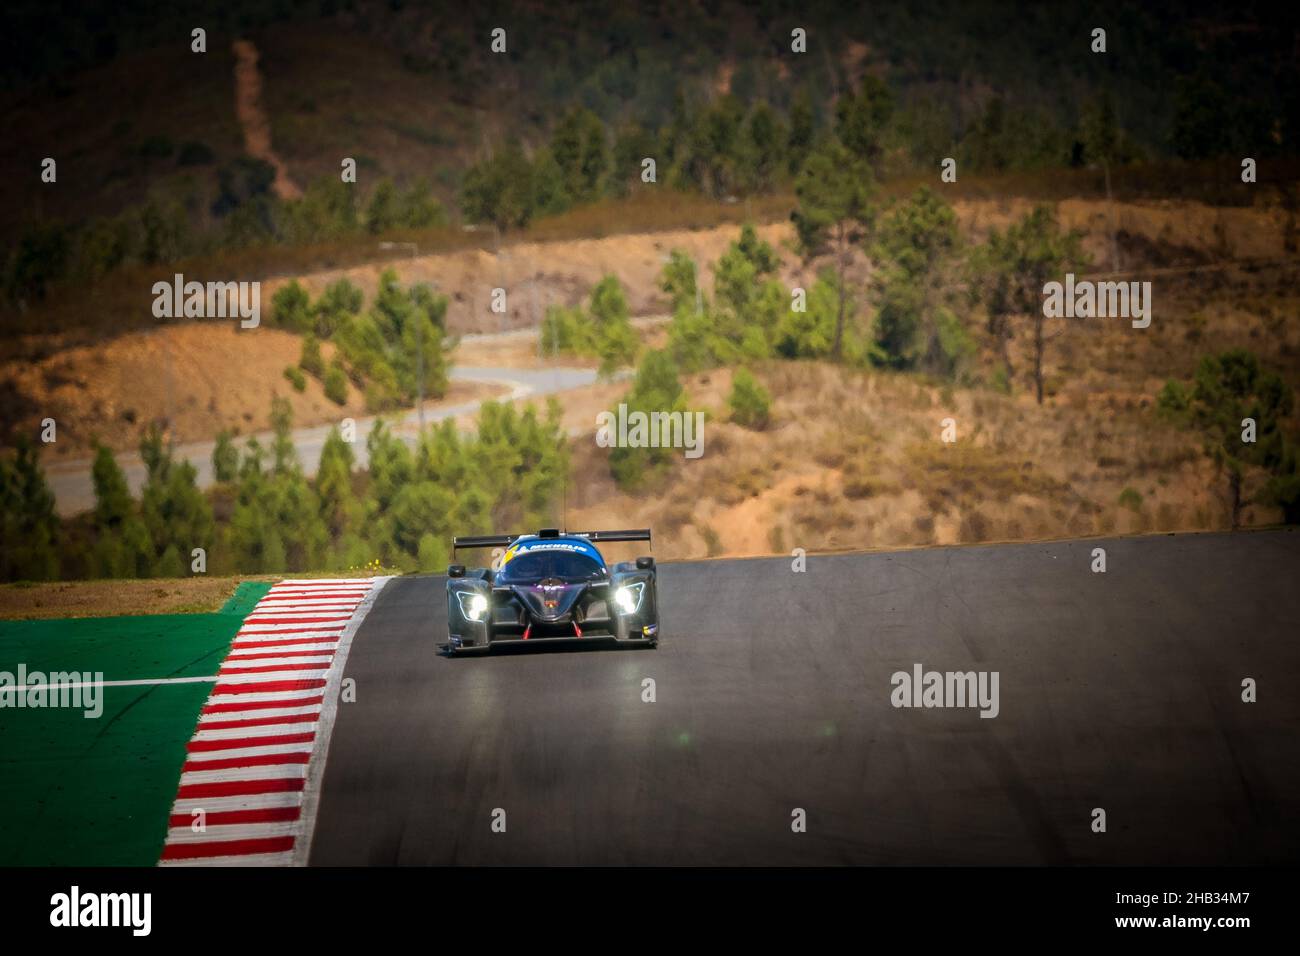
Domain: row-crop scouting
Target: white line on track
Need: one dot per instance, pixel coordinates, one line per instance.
(27, 688)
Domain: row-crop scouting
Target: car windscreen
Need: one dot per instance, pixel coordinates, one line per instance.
(535, 565)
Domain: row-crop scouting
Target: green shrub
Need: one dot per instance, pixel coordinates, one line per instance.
(340, 301)
(296, 378)
(751, 404)
(384, 210)
(421, 208)
(565, 330)
(339, 505)
(677, 279)
(432, 554)
(603, 330)
(655, 389)
(1174, 399)
(225, 458)
(176, 514)
(122, 548)
(310, 360)
(503, 190)
(336, 384)
(290, 308)
(169, 564)
(742, 321)
(383, 392)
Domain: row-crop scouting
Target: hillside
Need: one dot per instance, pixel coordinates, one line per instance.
(835, 226)
(155, 163)
(222, 377)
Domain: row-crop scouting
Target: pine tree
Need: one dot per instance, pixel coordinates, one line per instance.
(656, 388)
(122, 547)
(1010, 271)
(918, 256)
(835, 192)
(750, 402)
(225, 458)
(1228, 389)
(175, 513)
(30, 533)
(339, 506)
(284, 454)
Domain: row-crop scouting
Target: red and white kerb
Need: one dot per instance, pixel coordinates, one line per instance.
(253, 765)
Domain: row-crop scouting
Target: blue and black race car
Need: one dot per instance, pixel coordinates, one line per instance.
(551, 586)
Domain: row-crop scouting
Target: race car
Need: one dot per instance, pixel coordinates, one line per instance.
(551, 586)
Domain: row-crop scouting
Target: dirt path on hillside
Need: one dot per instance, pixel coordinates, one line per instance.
(253, 119)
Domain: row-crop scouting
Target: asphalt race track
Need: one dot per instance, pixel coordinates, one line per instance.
(1119, 690)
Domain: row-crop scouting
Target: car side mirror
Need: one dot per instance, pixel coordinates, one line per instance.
(456, 571)
(645, 564)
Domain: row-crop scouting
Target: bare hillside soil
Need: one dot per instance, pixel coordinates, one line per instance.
(213, 375)
(202, 377)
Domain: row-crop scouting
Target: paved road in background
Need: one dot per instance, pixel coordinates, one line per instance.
(1119, 690)
(74, 490)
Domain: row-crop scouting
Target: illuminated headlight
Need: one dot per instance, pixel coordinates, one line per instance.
(628, 597)
(472, 604)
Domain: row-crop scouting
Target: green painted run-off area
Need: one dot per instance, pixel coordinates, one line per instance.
(91, 791)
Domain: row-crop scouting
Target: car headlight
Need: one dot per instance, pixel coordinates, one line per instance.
(628, 597)
(472, 604)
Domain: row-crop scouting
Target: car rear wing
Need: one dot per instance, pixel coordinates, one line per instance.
(505, 540)
(638, 534)
(482, 541)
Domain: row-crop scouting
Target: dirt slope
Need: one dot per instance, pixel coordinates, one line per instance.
(203, 376)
